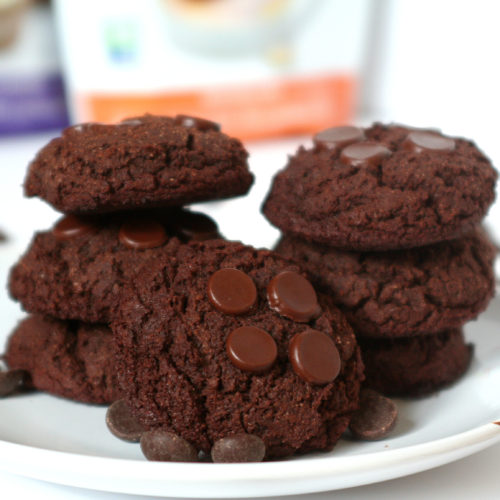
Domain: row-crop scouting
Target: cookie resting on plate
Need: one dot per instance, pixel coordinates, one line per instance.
(415, 366)
(66, 358)
(223, 340)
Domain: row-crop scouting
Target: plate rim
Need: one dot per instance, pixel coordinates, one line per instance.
(174, 478)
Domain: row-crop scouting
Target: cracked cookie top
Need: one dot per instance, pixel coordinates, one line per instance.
(382, 188)
(143, 162)
(222, 339)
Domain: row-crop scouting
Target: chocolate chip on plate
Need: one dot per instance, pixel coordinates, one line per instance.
(251, 349)
(338, 137)
(291, 295)
(72, 226)
(162, 446)
(314, 357)
(239, 448)
(11, 381)
(122, 423)
(142, 233)
(232, 291)
(375, 418)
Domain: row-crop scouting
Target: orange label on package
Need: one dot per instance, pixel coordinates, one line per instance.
(249, 111)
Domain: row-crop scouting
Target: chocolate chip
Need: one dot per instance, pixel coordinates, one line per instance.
(81, 127)
(193, 226)
(364, 154)
(3, 237)
(162, 446)
(239, 448)
(251, 349)
(314, 357)
(291, 295)
(11, 381)
(375, 418)
(420, 140)
(140, 234)
(198, 123)
(122, 423)
(72, 226)
(338, 137)
(232, 291)
(131, 121)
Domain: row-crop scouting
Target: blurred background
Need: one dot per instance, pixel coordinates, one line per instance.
(272, 72)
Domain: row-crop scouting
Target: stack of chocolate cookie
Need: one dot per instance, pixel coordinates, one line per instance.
(386, 221)
(214, 346)
(121, 188)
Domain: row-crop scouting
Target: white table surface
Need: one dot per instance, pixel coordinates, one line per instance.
(475, 476)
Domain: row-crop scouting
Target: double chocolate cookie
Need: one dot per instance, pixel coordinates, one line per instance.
(415, 366)
(381, 188)
(220, 340)
(143, 162)
(77, 270)
(406, 292)
(65, 358)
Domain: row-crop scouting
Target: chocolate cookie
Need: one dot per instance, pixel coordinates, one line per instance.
(406, 292)
(148, 161)
(381, 188)
(224, 340)
(415, 366)
(69, 359)
(77, 270)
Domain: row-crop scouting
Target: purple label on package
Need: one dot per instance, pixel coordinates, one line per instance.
(30, 103)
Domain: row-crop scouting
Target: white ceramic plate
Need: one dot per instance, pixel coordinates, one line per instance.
(68, 443)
